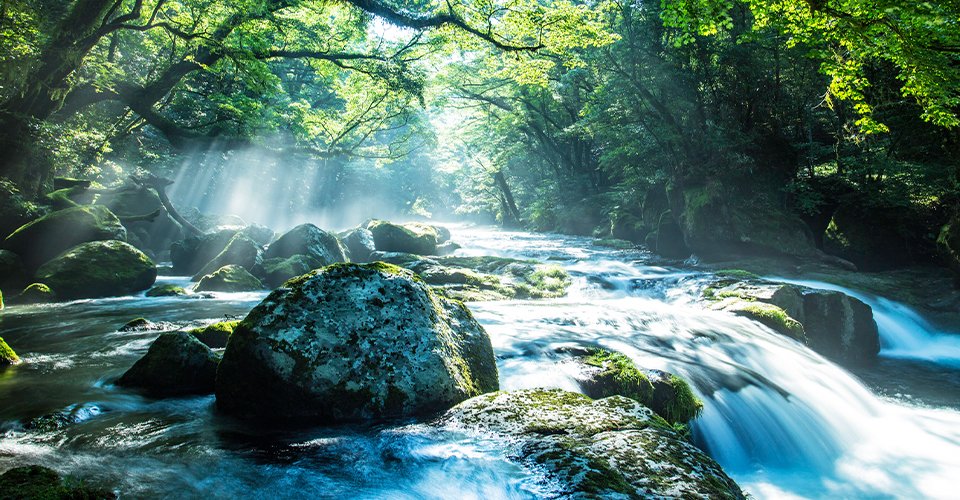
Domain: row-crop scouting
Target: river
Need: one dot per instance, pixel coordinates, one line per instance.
(783, 421)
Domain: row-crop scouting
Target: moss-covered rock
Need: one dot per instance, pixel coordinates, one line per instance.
(229, 279)
(215, 336)
(240, 251)
(770, 316)
(610, 448)
(36, 293)
(354, 341)
(309, 240)
(409, 238)
(98, 269)
(359, 242)
(278, 271)
(177, 363)
(145, 325)
(613, 374)
(33, 482)
(7, 356)
(130, 201)
(716, 219)
(166, 291)
(615, 243)
(191, 254)
(45, 238)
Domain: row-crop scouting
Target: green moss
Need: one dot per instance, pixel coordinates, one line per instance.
(615, 243)
(229, 279)
(99, 268)
(165, 291)
(215, 335)
(684, 405)
(620, 376)
(7, 356)
(737, 273)
(772, 317)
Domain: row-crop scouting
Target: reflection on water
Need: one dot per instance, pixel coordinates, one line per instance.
(785, 422)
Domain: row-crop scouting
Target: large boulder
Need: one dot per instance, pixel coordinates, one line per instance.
(50, 235)
(840, 326)
(309, 240)
(240, 251)
(98, 269)
(191, 254)
(359, 242)
(177, 363)
(408, 238)
(353, 341)
(611, 448)
(277, 271)
(718, 220)
(229, 279)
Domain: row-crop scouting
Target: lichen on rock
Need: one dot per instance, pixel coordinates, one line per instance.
(353, 341)
(609, 448)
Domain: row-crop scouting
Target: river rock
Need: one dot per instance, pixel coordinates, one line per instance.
(608, 373)
(177, 363)
(353, 341)
(448, 248)
(36, 293)
(229, 279)
(609, 448)
(191, 254)
(263, 235)
(309, 240)
(279, 270)
(359, 242)
(165, 291)
(98, 269)
(840, 326)
(240, 251)
(769, 315)
(408, 238)
(33, 482)
(215, 336)
(43, 239)
(7, 356)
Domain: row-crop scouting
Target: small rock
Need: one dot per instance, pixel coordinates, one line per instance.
(166, 291)
(176, 364)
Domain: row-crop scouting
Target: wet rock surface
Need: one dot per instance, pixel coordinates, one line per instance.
(354, 341)
(608, 448)
(177, 363)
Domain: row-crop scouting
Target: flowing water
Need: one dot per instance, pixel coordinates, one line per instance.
(782, 420)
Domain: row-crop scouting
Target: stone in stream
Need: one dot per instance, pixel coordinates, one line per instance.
(411, 238)
(176, 364)
(43, 239)
(191, 254)
(353, 341)
(229, 279)
(308, 240)
(240, 251)
(7, 356)
(359, 242)
(98, 269)
(610, 448)
(33, 482)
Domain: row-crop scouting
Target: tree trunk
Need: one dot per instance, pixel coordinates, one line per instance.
(160, 184)
(507, 195)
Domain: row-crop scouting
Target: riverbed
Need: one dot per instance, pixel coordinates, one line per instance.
(782, 420)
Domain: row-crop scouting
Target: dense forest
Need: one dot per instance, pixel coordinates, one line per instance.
(708, 125)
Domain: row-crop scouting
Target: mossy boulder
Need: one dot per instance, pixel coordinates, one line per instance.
(240, 251)
(771, 316)
(309, 240)
(409, 238)
(215, 336)
(177, 363)
(717, 219)
(229, 279)
(166, 291)
(36, 293)
(611, 373)
(191, 254)
(610, 448)
(353, 341)
(43, 239)
(98, 269)
(130, 201)
(277, 271)
(7, 356)
(839, 326)
(34, 482)
(359, 242)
